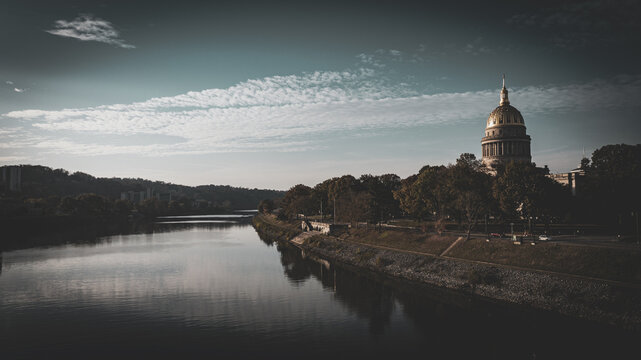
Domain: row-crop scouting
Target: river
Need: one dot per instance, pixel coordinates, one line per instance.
(211, 287)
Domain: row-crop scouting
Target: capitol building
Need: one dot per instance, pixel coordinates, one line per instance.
(505, 138)
(506, 141)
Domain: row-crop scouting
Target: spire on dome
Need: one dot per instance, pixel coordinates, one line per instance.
(504, 98)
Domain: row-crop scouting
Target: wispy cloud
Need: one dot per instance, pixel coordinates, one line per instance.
(381, 58)
(19, 90)
(296, 112)
(477, 47)
(9, 82)
(88, 28)
(370, 60)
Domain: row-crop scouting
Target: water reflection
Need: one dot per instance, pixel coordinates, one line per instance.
(452, 325)
(213, 289)
(366, 298)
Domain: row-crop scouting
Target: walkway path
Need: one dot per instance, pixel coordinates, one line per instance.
(459, 240)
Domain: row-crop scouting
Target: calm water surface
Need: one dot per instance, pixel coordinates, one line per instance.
(215, 288)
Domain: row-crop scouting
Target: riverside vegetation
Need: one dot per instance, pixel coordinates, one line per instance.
(54, 206)
(464, 194)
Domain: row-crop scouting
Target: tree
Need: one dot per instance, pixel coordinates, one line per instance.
(320, 196)
(470, 189)
(340, 191)
(152, 207)
(266, 206)
(382, 205)
(92, 204)
(123, 207)
(354, 205)
(409, 201)
(432, 190)
(611, 185)
(522, 190)
(298, 200)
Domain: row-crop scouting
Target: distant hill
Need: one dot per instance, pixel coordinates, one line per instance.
(41, 182)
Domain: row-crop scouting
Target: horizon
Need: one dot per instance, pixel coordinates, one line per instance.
(287, 93)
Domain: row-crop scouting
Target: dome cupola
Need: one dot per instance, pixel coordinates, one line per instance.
(504, 98)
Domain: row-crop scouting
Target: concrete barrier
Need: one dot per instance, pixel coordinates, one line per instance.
(324, 228)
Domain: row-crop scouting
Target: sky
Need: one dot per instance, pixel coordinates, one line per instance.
(272, 94)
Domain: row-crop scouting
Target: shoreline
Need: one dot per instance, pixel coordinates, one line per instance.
(587, 299)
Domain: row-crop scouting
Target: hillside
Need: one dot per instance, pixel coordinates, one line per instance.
(42, 182)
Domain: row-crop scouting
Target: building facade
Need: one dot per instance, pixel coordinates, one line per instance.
(573, 180)
(12, 178)
(505, 137)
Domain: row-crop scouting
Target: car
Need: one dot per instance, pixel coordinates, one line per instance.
(498, 235)
(545, 238)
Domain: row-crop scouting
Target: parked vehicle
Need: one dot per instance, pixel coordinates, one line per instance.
(545, 238)
(498, 235)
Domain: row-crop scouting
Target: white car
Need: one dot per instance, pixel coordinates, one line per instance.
(544, 238)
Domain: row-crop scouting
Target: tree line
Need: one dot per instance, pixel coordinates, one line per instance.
(466, 192)
(56, 191)
(97, 205)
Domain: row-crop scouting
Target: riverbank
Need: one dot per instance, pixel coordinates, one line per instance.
(596, 300)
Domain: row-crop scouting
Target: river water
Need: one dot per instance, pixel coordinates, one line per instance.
(212, 287)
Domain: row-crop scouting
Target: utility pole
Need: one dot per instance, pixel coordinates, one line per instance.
(334, 217)
(486, 223)
(636, 213)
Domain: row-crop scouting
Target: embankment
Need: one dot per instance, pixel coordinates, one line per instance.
(600, 301)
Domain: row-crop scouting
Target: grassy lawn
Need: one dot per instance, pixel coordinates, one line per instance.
(612, 264)
(399, 239)
(604, 263)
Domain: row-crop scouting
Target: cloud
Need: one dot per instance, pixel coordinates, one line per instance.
(297, 112)
(19, 90)
(370, 60)
(9, 82)
(381, 58)
(87, 28)
(477, 47)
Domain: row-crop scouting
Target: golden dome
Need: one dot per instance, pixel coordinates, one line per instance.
(505, 115)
